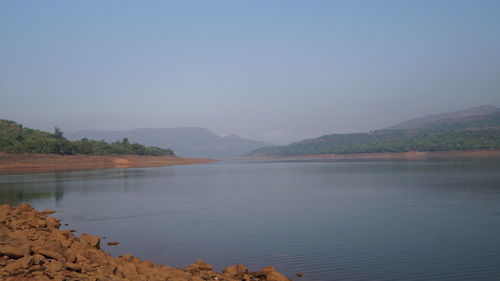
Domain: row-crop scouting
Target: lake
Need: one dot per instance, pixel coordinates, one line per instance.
(382, 220)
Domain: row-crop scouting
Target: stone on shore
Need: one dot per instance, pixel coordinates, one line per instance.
(32, 247)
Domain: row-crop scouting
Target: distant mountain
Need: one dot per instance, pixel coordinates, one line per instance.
(186, 142)
(442, 120)
(475, 128)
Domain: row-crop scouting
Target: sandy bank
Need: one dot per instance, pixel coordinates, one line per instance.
(43, 163)
(413, 155)
(32, 247)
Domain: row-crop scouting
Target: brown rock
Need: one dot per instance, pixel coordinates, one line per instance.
(39, 259)
(276, 276)
(127, 257)
(299, 274)
(55, 266)
(73, 251)
(50, 254)
(24, 207)
(4, 212)
(265, 270)
(19, 264)
(271, 274)
(81, 259)
(90, 240)
(63, 238)
(47, 212)
(203, 265)
(32, 247)
(26, 249)
(54, 246)
(92, 254)
(13, 252)
(53, 223)
(149, 264)
(73, 267)
(41, 223)
(234, 269)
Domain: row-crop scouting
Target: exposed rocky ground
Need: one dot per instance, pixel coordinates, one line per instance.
(43, 163)
(32, 247)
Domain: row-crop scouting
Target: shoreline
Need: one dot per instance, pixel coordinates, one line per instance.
(381, 156)
(49, 163)
(32, 247)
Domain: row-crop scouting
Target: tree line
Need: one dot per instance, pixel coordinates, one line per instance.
(14, 138)
(389, 141)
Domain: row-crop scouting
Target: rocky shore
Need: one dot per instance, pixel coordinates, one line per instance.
(32, 247)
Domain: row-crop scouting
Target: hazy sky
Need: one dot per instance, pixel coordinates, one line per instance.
(271, 70)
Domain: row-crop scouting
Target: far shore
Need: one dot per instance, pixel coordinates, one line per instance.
(47, 163)
(412, 155)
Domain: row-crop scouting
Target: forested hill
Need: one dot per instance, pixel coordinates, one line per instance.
(480, 116)
(464, 130)
(14, 138)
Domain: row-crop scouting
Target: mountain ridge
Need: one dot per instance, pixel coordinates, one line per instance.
(196, 142)
(473, 128)
(448, 117)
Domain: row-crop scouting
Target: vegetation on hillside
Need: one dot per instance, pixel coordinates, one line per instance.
(388, 141)
(462, 134)
(14, 138)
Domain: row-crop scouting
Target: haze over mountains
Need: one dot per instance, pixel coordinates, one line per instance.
(455, 117)
(474, 128)
(186, 142)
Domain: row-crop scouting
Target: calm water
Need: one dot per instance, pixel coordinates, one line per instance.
(331, 220)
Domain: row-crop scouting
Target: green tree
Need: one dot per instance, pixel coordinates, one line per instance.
(58, 133)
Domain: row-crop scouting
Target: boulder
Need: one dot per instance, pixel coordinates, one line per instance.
(22, 263)
(271, 274)
(39, 259)
(50, 254)
(53, 223)
(235, 269)
(24, 208)
(73, 267)
(90, 240)
(55, 266)
(32, 247)
(203, 265)
(10, 251)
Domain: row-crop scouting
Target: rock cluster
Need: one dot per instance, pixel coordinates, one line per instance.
(32, 247)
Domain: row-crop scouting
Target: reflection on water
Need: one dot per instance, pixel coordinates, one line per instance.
(27, 188)
(366, 220)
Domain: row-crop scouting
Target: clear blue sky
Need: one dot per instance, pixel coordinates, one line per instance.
(271, 70)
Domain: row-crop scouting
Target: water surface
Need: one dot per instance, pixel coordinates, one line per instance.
(382, 220)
